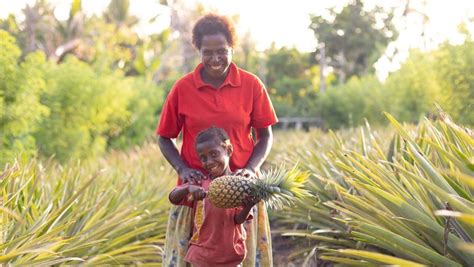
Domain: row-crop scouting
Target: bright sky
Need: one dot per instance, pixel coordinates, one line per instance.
(286, 22)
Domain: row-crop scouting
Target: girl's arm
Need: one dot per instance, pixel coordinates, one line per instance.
(242, 216)
(248, 204)
(179, 193)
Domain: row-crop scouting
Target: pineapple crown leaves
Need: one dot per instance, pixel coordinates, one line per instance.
(283, 187)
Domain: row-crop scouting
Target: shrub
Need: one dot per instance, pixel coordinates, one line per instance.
(21, 84)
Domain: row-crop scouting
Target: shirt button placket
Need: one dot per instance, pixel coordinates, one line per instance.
(218, 97)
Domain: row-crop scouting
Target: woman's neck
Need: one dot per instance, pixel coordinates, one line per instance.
(215, 82)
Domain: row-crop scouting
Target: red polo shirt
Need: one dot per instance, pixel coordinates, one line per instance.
(240, 103)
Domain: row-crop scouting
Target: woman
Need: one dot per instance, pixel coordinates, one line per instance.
(217, 93)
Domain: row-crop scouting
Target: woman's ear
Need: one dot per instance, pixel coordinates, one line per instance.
(230, 149)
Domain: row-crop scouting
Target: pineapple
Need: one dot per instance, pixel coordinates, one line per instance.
(276, 188)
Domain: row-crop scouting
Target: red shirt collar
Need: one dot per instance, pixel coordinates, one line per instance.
(232, 79)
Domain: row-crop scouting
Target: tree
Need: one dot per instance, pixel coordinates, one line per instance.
(21, 84)
(118, 13)
(354, 38)
(183, 17)
(349, 104)
(247, 56)
(455, 73)
(414, 88)
(289, 79)
(86, 109)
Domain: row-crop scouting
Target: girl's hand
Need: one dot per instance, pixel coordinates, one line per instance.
(248, 173)
(191, 176)
(250, 201)
(196, 192)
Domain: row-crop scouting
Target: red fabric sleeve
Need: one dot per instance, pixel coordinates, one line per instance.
(171, 121)
(263, 113)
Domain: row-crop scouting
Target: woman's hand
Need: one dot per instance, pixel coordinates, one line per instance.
(248, 173)
(196, 192)
(192, 176)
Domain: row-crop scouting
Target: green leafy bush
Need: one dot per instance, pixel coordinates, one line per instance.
(86, 108)
(21, 84)
(144, 106)
(455, 71)
(349, 104)
(71, 110)
(412, 91)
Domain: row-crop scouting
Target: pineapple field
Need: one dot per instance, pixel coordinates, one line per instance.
(398, 195)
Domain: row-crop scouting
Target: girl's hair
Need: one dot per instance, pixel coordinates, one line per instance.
(213, 24)
(213, 133)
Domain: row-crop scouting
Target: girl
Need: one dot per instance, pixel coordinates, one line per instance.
(218, 236)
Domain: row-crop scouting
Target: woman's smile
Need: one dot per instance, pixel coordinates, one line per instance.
(216, 55)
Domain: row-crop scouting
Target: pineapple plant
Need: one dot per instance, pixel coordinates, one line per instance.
(277, 188)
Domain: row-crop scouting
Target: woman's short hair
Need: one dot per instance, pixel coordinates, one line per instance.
(214, 24)
(213, 133)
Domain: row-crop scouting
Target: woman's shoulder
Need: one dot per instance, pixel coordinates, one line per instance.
(250, 80)
(185, 79)
(184, 83)
(247, 75)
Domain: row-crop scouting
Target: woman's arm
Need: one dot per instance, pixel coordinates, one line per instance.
(260, 152)
(170, 151)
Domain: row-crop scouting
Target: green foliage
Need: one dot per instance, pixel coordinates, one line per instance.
(112, 213)
(455, 71)
(289, 79)
(354, 38)
(71, 110)
(412, 91)
(379, 203)
(10, 25)
(144, 105)
(441, 77)
(113, 47)
(86, 108)
(118, 13)
(247, 56)
(348, 105)
(21, 111)
(285, 62)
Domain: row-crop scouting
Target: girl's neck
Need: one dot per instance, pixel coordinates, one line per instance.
(226, 172)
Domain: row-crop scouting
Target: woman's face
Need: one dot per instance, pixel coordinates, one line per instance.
(216, 55)
(214, 157)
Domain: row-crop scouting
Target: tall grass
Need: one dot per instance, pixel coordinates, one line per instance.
(399, 199)
(109, 212)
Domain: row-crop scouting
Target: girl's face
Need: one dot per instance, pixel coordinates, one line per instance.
(216, 55)
(214, 157)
